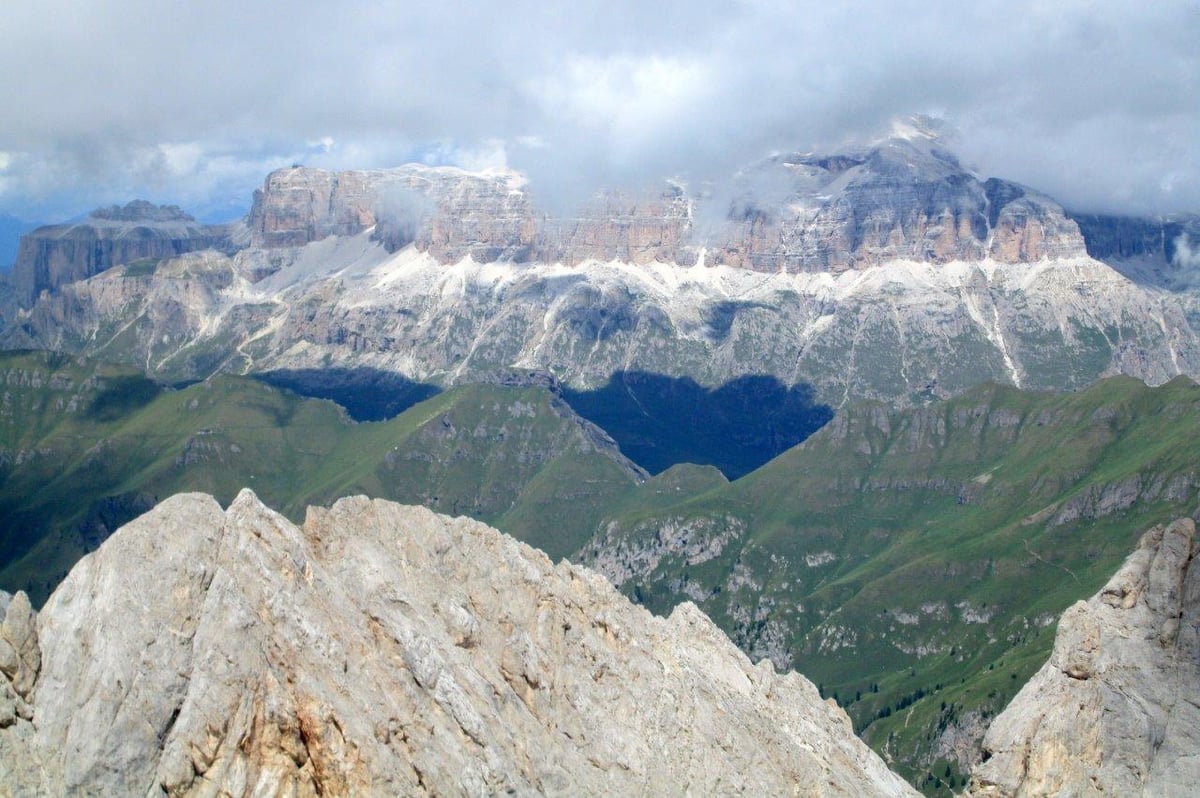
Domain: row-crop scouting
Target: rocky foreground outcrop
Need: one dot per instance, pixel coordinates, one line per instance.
(384, 649)
(1116, 710)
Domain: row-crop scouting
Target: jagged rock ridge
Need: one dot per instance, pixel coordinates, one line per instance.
(1116, 710)
(384, 649)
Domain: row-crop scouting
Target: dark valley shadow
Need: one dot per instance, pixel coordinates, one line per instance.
(367, 394)
(660, 421)
(120, 397)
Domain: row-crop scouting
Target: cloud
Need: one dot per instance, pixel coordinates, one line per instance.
(1093, 102)
(1186, 256)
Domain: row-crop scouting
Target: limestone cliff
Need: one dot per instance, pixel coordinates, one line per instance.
(890, 272)
(387, 650)
(52, 256)
(1116, 710)
(453, 214)
(899, 200)
(450, 212)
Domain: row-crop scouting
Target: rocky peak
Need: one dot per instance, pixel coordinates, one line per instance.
(55, 255)
(905, 198)
(1116, 710)
(383, 649)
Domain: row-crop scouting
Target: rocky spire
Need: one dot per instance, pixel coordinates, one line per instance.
(1116, 710)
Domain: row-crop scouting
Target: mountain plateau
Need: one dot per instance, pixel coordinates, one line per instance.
(891, 273)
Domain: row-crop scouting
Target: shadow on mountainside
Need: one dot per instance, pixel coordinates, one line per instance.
(121, 396)
(367, 394)
(661, 421)
(1156, 251)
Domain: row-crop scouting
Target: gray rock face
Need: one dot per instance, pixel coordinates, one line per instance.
(902, 199)
(1162, 251)
(53, 256)
(384, 649)
(1116, 710)
(889, 273)
(20, 658)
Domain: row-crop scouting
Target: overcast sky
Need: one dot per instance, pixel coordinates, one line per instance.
(1094, 102)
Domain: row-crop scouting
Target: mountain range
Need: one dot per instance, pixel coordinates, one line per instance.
(882, 419)
(891, 273)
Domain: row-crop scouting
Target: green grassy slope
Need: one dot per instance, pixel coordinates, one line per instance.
(84, 447)
(913, 562)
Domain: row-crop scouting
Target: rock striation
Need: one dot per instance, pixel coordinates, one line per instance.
(52, 256)
(453, 214)
(383, 649)
(903, 199)
(901, 332)
(1116, 710)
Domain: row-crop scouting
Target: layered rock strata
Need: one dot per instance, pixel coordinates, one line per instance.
(53, 256)
(900, 200)
(890, 273)
(1116, 710)
(384, 649)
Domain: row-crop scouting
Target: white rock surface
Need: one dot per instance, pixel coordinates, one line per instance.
(385, 650)
(1116, 710)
